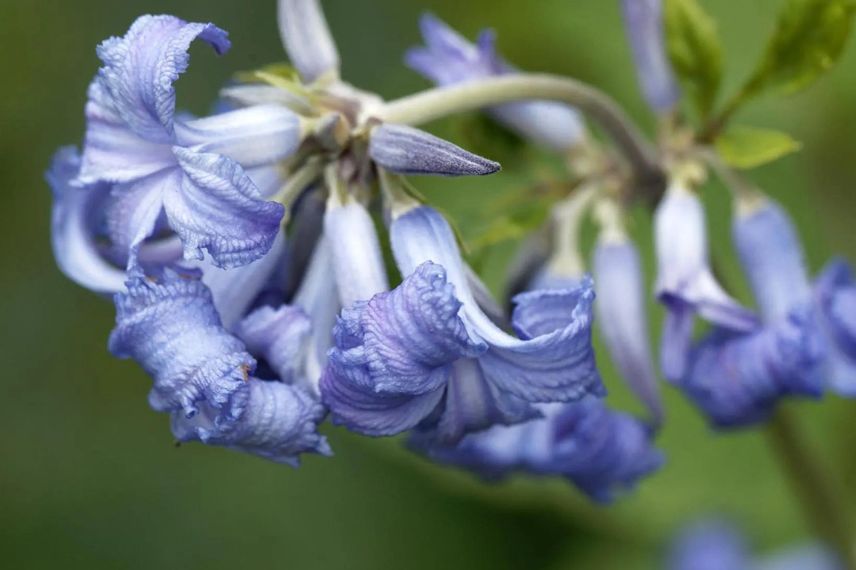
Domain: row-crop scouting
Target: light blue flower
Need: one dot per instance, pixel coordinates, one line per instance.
(307, 39)
(203, 375)
(643, 22)
(448, 58)
(426, 355)
(191, 172)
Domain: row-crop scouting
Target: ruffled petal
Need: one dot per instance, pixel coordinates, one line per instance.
(406, 150)
(217, 208)
(643, 22)
(72, 226)
(169, 325)
(623, 322)
(448, 58)
(269, 419)
(112, 151)
(548, 366)
(357, 259)
(737, 379)
(709, 545)
(772, 257)
(253, 136)
(140, 68)
(307, 39)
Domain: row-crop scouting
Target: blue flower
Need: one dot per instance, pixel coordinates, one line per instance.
(203, 375)
(835, 305)
(643, 21)
(189, 171)
(448, 58)
(685, 282)
(426, 355)
(307, 39)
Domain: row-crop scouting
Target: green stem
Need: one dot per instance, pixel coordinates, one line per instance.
(440, 102)
(822, 502)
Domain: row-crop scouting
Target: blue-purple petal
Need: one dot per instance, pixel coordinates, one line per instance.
(307, 38)
(835, 306)
(406, 150)
(278, 335)
(709, 545)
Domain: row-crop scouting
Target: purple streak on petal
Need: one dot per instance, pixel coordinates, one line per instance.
(643, 22)
(140, 68)
(773, 259)
(448, 58)
(709, 545)
(406, 150)
(623, 321)
(73, 231)
(307, 38)
(269, 419)
(357, 259)
(253, 136)
(217, 208)
(169, 325)
(736, 379)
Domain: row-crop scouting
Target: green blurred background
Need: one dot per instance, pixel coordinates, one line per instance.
(89, 477)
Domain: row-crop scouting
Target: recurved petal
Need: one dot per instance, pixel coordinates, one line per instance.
(169, 325)
(217, 208)
(112, 151)
(73, 226)
(737, 379)
(307, 39)
(140, 68)
(279, 335)
(623, 321)
(269, 419)
(643, 21)
(406, 150)
(253, 136)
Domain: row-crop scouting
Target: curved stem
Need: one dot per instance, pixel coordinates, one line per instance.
(436, 103)
(813, 484)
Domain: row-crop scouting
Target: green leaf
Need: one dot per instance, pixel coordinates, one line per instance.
(749, 147)
(809, 38)
(694, 50)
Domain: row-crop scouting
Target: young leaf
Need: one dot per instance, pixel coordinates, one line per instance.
(809, 38)
(694, 50)
(749, 147)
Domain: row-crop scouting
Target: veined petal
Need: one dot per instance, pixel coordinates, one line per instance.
(134, 209)
(253, 136)
(448, 58)
(643, 22)
(737, 379)
(269, 419)
(279, 336)
(406, 150)
(140, 68)
(72, 228)
(218, 208)
(623, 322)
(307, 39)
(357, 259)
(548, 366)
(112, 151)
(772, 257)
(709, 545)
(169, 325)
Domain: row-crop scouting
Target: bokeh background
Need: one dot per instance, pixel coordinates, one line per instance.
(89, 477)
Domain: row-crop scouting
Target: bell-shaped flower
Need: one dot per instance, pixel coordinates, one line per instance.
(424, 354)
(203, 375)
(685, 282)
(188, 173)
(448, 58)
(599, 450)
(643, 23)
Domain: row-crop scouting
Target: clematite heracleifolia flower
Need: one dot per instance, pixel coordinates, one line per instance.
(448, 58)
(426, 356)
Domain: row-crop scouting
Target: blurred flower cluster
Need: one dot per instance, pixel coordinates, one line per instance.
(272, 266)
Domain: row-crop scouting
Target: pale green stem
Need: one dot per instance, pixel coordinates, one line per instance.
(436, 103)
